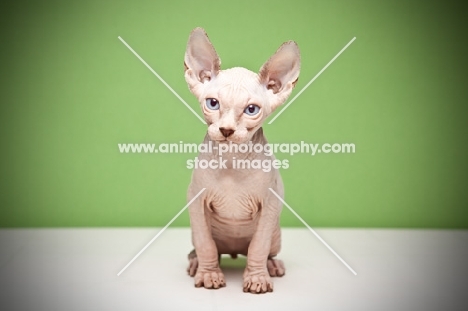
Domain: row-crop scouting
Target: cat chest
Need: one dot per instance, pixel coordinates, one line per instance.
(234, 209)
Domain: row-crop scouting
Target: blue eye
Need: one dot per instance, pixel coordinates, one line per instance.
(252, 110)
(212, 103)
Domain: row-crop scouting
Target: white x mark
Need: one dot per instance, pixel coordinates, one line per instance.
(190, 108)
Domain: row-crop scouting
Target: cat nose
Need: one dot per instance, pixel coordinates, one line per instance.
(226, 131)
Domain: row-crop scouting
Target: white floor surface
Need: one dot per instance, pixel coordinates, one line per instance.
(76, 269)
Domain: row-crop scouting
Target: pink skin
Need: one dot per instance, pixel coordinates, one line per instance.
(236, 214)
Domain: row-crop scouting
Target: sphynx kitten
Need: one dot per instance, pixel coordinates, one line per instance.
(236, 214)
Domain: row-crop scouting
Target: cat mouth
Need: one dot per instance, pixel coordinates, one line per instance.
(231, 141)
(225, 140)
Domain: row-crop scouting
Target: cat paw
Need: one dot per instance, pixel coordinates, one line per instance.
(193, 263)
(275, 267)
(210, 279)
(258, 283)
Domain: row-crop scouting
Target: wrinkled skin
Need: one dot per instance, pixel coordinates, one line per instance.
(236, 213)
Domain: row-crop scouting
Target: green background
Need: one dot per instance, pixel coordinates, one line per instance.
(71, 91)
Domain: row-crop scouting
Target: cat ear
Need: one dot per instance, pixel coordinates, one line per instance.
(281, 72)
(202, 63)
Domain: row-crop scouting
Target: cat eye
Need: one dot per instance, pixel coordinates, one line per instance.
(212, 103)
(252, 110)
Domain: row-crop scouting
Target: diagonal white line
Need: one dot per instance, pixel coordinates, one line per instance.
(161, 231)
(162, 80)
(313, 79)
(313, 231)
